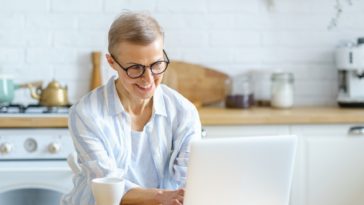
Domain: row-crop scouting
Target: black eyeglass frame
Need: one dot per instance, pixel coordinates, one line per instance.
(143, 66)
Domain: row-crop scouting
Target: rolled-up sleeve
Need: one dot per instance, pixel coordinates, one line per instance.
(188, 129)
(93, 155)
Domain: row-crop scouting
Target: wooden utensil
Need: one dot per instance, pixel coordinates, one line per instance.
(199, 84)
(96, 71)
(35, 84)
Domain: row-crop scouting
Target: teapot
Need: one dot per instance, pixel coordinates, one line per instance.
(53, 95)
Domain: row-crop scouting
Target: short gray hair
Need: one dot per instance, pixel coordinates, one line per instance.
(134, 27)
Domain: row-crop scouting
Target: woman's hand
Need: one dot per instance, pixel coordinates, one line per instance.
(138, 196)
(167, 197)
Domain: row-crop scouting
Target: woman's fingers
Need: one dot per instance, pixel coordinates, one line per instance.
(181, 191)
(170, 197)
(176, 202)
(180, 199)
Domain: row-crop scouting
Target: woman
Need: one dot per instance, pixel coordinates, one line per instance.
(134, 127)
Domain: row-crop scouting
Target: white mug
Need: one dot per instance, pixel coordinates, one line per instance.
(108, 190)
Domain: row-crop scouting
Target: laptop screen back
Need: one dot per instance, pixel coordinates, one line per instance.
(241, 171)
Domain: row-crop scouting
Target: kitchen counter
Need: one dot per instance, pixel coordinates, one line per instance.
(269, 116)
(33, 121)
(220, 116)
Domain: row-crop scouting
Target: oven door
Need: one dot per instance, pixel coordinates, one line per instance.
(34, 182)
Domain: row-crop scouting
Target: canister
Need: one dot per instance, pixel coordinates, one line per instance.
(240, 93)
(282, 95)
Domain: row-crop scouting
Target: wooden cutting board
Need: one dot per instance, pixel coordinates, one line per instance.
(201, 85)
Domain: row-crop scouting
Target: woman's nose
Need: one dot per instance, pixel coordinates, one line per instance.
(148, 75)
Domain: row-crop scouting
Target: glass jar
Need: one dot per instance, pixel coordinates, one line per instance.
(240, 92)
(282, 90)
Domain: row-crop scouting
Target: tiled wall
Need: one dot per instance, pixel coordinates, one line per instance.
(53, 39)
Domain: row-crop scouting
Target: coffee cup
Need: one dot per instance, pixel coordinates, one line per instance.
(108, 190)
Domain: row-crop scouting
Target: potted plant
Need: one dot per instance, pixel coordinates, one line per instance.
(338, 6)
(338, 11)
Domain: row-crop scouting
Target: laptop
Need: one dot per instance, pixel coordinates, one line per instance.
(241, 171)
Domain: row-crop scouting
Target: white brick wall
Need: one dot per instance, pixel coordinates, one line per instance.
(46, 39)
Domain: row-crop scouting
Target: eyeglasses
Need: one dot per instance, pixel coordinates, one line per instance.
(138, 70)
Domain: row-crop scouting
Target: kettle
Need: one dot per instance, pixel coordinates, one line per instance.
(8, 88)
(53, 95)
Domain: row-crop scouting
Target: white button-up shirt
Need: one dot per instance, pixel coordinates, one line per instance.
(101, 132)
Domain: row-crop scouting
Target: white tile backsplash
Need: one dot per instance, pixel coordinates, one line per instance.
(11, 20)
(24, 6)
(53, 39)
(233, 6)
(76, 6)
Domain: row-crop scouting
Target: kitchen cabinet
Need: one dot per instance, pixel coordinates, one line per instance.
(246, 130)
(329, 168)
(331, 165)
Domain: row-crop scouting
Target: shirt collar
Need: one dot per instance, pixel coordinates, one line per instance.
(112, 98)
(116, 107)
(158, 102)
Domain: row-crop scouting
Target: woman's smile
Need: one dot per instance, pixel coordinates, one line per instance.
(145, 88)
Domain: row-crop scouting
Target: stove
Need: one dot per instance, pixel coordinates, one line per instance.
(34, 147)
(32, 109)
(33, 160)
(33, 165)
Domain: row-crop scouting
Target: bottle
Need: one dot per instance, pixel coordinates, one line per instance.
(282, 90)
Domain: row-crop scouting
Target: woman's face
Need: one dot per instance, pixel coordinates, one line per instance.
(130, 54)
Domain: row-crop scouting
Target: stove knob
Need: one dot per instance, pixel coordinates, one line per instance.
(6, 148)
(54, 148)
(30, 145)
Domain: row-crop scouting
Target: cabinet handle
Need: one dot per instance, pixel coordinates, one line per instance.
(356, 131)
(203, 133)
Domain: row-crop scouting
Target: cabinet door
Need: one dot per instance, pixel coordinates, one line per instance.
(332, 171)
(245, 130)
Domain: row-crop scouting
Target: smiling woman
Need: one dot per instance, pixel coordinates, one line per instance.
(138, 88)
(133, 127)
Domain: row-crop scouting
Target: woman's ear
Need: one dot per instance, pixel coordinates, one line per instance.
(110, 60)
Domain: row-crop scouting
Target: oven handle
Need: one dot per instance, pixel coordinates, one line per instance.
(356, 131)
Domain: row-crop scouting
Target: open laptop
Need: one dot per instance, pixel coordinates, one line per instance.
(241, 171)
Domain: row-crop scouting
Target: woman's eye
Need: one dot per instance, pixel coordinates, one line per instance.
(137, 67)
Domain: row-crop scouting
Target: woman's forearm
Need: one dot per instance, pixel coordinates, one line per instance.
(139, 196)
